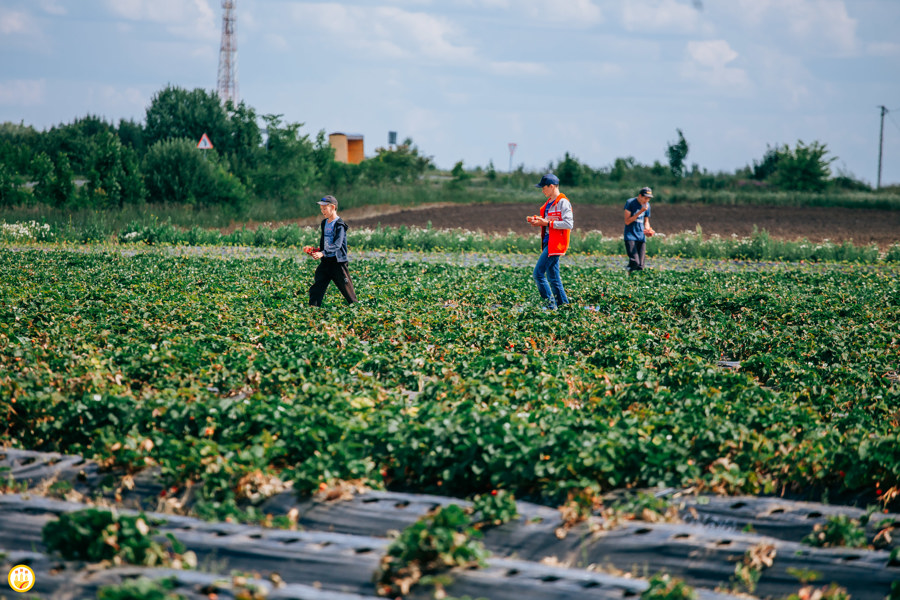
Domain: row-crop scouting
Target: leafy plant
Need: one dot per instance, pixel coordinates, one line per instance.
(141, 588)
(494, 508)
(838, 530)
(665, 587)
(440, 541)
(101, 535)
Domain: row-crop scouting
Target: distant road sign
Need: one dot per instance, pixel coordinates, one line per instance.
(204, 143)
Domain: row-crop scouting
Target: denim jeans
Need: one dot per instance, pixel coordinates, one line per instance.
(546, 276)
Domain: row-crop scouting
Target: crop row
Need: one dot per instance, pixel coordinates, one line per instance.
(452, 379)
(689, 244)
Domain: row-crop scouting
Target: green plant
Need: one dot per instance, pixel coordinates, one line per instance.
(141, 588)
(494, 508)
(442, 540)
(101, 535)
(665, 587)
(644, 507)
(838, 530)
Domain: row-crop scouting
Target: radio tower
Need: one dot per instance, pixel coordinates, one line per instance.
(228, 86)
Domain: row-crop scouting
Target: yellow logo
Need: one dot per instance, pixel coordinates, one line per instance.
(21, 578)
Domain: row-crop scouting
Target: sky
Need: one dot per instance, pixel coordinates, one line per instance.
(599, 79)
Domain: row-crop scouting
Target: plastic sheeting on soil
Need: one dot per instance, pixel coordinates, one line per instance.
(341, 542)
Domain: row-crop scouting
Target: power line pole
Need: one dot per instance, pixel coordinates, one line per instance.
(880, 146)
(227, 82)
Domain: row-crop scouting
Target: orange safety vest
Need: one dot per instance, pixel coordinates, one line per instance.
(559, 238)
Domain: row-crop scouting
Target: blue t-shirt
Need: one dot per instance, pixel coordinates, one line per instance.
(635, 231)
(329, 236)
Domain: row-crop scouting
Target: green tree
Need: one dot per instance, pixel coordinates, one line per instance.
(766, 167)
(176, 113)
(402, 164)
(176, 171)
(288, 164)
(570, 171)
(114, 177)
(10, 193)
(491, 171)
(331, 174)
(805, 168)
(622, 168)
(243, 146)
(677, 152)
(42, 172)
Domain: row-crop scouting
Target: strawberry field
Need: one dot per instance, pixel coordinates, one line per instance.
(449, 379)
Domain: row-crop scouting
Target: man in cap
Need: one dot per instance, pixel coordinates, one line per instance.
(637, 227)
(332, 254)
(556, 222)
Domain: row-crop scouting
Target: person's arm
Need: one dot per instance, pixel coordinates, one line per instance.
(339, 238)
(647, 229)
(566, 219)
(629, 218)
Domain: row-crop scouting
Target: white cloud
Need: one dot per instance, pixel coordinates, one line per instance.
(823, 23)
(573, 13)
(512, 68)
(53, 7)
(707, 62)
(23, 92)
(883, 49)
(193, 19)
(385, 32)
(16, 22)
(668, 16)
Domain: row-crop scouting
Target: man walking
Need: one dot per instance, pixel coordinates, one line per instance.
(637, 227)
(332, 254)
(556, 222)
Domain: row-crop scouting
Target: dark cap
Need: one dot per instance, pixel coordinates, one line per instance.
(646, 192)
(328, 201)
(548, 179)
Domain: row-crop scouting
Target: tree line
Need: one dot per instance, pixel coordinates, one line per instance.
(96, 164)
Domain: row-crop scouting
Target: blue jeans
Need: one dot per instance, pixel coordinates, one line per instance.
(547, 268)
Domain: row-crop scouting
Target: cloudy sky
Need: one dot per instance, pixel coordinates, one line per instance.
(599, 79)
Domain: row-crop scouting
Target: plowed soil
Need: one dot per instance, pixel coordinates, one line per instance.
(862, 226)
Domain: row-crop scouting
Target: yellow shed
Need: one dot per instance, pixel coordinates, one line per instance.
(348, 147)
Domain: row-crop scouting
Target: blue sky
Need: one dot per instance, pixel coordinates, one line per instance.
(599, 79)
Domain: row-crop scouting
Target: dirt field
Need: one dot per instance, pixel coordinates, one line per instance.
(860, 225)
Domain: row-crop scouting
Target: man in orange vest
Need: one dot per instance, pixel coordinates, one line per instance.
(556, 222)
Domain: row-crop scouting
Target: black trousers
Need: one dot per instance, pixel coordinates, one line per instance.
(635, 250)
(329, 270)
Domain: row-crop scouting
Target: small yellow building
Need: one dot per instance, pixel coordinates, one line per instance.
(348, 148)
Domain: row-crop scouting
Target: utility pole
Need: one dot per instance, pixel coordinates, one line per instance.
(227, 82)
(880, 146)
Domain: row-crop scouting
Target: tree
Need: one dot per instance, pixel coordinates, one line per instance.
(491, 171)
(288, 165)
(570, 171)
(114, 178)
(621, 168)
(402, 164)
(805, 169)
(175, 113)
(176, 171)
(677, 153)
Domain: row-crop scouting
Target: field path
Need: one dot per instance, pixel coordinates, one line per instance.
(862, 226)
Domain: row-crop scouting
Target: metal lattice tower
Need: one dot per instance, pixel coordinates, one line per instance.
(228, 85)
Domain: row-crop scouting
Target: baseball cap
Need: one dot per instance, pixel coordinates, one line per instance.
(548, 179)
(328, 200)
(645, 191)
